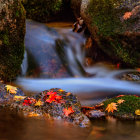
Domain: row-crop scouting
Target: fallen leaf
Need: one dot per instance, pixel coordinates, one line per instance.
(68, 111)
(120, 96)
(38, 103)
(18, 98)
(111, 107)
(11, 89)
(33, 114)
(127, 15)
(120, 101)
(61, 90)
(137, 112)
(51, 98)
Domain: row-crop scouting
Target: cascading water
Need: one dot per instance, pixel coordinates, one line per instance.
(58, 56)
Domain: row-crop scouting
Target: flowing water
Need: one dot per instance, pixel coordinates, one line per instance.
(54, 58)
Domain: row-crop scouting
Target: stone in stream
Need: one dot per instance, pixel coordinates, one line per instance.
(54, 103)
(114, 27)
(12, 31)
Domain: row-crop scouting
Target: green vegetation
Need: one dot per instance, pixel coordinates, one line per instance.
(42, 10)
(126, 108)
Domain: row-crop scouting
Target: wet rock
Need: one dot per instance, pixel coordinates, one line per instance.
(130, 76)
(54, 103)
(123, 107)
(8, 93)
(94, 114)
(114, 26)
(12, 31)
(46, 10)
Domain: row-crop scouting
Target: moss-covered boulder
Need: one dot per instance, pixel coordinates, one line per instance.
(43, 10)
(123, 106)
(12, 31)
(114, 25)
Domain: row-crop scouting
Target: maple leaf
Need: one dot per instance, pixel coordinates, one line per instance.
(51, 98)
(18, 98)
(68, 111)
(120, 96)
(11, 89)
(137, 112)
(39, 103)
(33, 114)
(61, 90)
(51, 93)
(111, 107)
(127, 15)
(29, 101)
(120, 101)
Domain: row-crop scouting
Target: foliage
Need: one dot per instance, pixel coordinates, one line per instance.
(126, 104)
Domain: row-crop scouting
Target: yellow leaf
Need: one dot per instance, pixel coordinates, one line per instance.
(111, 107)
(137, 112)
(120, 101)
(11, 89)
(33, 114)
(18, 98)
(61, 90)
(39, 103)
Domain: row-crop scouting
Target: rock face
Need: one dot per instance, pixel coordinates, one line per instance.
(12, 31)
(42, 10)
(115, 26)
(55, 103)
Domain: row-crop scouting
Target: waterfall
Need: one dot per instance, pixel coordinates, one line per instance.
(24, 65)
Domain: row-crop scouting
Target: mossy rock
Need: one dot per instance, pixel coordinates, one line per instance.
(42, 10)
(114, 25)
(127, 106)
(12, 31)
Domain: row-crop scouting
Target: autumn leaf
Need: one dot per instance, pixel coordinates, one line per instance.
(61, 90)
(29, 101)
(51, 98)
(51, 93)
(111, 107)
(120, 96)
(39, 103)
(33, 114)
(11, 89)
(68, 94)
(68, 111)
(127, 15)
(120, 101)
(18, 98)
(137, 112)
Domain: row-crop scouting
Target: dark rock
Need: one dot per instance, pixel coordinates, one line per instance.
(130, 76)
(94, 114)
(47, 10)
(54, 103)
(12, 31)
(114, 26)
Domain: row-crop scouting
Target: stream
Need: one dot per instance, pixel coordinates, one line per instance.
(54, 58)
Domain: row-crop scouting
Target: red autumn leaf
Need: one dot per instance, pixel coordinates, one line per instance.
(51, 93)
(68, 111)
(29, 101)
(51, 98)
(120, 96)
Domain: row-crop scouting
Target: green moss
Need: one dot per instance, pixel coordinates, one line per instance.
(106, 17)
(12, 47)
(42, 10)
(127, 108)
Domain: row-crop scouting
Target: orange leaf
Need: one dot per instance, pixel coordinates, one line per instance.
(39, 103)
(127, 15)
(120, 101)
(111, 107)
(68, 111)
(11, 89)
(137, 112)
